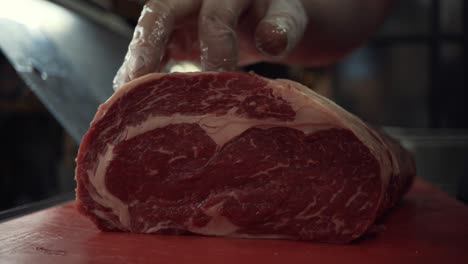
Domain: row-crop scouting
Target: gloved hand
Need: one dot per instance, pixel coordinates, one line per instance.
(168, 28)
(222, 34)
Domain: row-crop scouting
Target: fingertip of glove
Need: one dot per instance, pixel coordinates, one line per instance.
(271, 39)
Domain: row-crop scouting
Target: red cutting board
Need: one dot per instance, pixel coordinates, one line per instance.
(428, 227)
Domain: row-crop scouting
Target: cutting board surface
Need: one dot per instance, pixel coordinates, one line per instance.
(427, 227)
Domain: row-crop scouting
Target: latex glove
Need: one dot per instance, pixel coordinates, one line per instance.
(221, 34)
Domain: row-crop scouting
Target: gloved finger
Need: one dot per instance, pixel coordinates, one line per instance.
(282, 27)
(218, 40)
(151, 35)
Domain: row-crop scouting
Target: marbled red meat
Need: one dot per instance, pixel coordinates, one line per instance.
(238, 155)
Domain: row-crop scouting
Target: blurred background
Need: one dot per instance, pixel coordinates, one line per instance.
(58, 58)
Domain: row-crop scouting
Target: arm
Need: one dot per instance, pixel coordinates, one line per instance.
(337, 27)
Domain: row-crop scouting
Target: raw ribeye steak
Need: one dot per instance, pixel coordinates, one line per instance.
(238, 155)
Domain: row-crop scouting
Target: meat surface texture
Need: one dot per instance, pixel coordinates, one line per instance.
(236, 155)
